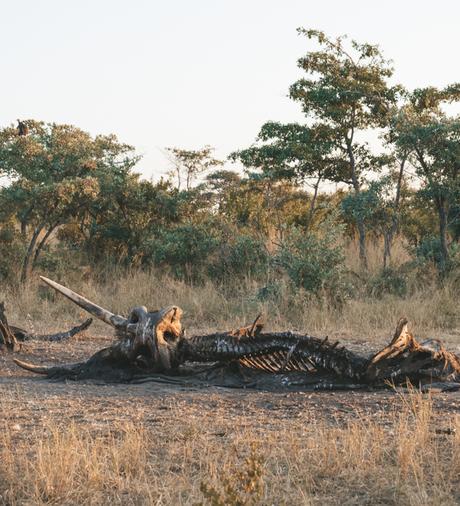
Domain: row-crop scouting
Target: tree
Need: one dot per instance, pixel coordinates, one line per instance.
(378, 207)
(121, 223)
(347, 91)
(189, 164)
(431, 137)
(57, 172)
(295, 153)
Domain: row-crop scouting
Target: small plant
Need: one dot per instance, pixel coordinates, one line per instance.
(237, 487)
(388, 281)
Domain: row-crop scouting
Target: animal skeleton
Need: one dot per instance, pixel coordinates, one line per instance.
(153, 344)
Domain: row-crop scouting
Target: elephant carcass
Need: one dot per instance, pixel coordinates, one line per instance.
(153, 342)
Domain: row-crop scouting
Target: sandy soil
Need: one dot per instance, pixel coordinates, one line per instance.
(33, 399)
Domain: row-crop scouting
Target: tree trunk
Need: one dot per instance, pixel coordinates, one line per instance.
(389, 235)
(26, 266)
(312, 209)
(359, 222)
(387, 239)
(362, 244)
(41, 244)
(442, 212)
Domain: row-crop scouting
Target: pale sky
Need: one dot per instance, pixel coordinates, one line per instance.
(189, 73)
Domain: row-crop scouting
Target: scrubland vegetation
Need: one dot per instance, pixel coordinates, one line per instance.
(73, 203)
(409, 457)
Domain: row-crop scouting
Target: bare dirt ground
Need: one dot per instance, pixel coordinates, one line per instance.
(221, 420)
(97, 402)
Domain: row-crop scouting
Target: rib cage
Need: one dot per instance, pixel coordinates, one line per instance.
(277, 352)
(404, 359)
(278, 361)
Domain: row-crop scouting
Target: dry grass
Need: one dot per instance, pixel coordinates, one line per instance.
(432, 309)
(216, 461)
(432, 312)
(227, 456)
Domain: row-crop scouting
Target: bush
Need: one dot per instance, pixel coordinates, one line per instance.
(388, 281)
(314, 262)
(185, 249)
(244, 256)
(429, 250)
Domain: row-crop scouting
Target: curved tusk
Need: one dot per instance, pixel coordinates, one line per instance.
(39, 369)
(97, 311)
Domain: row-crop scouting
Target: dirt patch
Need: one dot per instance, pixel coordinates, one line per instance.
(195, 436)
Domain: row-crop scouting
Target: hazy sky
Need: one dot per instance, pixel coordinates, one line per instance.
(189, 73)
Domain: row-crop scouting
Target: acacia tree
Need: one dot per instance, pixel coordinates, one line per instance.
(295, 153)
(189, 164)
(432, 139)
(56, 173)
(347, 90)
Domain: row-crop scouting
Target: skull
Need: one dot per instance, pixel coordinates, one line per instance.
(151, 339)
(155, 337)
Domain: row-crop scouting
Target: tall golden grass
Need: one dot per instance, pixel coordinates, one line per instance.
(430, 306)
(216, 461)
(433, 311)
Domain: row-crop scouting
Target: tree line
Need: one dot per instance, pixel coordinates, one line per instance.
(306, 189)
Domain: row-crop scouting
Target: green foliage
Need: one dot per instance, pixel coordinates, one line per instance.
(243, 256)
(387, 282)
(430, 251)
(292, 152)
(346, 86)
(315, 261)
(70, 192)
(185, 249)
(432, 138)
(365, 206)
(125, 220)
(58, 175)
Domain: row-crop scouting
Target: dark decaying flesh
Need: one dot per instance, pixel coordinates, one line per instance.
(152, 344)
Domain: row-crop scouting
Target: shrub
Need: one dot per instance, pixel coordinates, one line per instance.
(429, 250)
(388, 281)
(314, 262)
(185, 249)
(243, 256)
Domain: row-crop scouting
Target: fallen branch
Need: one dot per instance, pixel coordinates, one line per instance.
(7, 337)
(59, 336)
(11, 336)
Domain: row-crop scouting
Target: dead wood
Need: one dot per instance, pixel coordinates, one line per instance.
(7, 338)
(22, 335)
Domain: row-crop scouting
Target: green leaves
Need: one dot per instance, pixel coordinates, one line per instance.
(347, 88)
(315, 261)
(59, 175)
